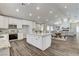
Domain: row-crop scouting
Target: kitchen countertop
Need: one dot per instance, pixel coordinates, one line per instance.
(45, 34)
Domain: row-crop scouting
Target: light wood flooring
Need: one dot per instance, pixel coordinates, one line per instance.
(58, 48)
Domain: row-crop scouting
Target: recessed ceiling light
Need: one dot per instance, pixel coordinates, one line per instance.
(37, 8)
(56, 16)
(30, 14)
(65, 6)
(46, 19)
(65, 19)
(17, 10)
(50, 12)
(38, 17)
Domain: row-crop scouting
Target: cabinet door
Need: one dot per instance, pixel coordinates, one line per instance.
(1, 22)
(31, 40)
(19, 23)
(5, 20)
(39, 42)
(46, 41)
(16, 22)
(20, 36)
(5, 52)
(35, 41)
(12, 21)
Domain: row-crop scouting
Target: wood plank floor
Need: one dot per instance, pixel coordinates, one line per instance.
(58, 48)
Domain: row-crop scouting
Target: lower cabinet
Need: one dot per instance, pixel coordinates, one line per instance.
(20, 36)
(33, 40)
(4, 52)
(39, 41)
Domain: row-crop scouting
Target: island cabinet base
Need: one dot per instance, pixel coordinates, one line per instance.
(4, 52)
(40, 41)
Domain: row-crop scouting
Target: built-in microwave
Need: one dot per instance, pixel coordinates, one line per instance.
(13, 29)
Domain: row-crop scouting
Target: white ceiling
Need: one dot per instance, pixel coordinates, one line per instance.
(41, 12)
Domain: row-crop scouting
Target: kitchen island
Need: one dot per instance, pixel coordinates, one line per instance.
(40, 41)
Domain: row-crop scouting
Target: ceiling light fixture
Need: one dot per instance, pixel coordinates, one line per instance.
(65, 19)
(37, 8)
(17, 10)
(30, 14)
(56, 16)
(46, 19)
(50, 12)
(38, 17)
(65, 6)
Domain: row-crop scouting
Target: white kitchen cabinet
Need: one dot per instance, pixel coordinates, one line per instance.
(5, 52)
(15, 22)
(12, 21)
(46, 41)
(3, 22)
(4, 45)
(20, 36)
(19, 23)
(40, 41)
(33, 40)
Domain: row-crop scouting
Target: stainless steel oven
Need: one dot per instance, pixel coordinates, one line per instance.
(13, 32)
(13, 36)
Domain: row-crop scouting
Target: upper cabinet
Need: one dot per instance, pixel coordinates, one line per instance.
(6, 21)
(12, 21)
(19, 23)
(15, 22)
(3, 22)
